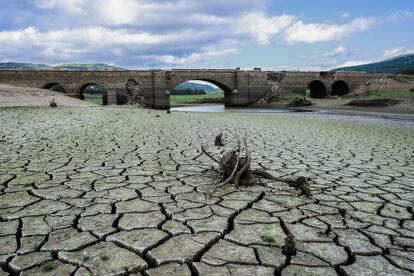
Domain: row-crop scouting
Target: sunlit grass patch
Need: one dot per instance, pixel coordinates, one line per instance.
(93, 98)
(187, 99)
(387, 94)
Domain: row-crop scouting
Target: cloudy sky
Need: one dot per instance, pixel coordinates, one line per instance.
(272, 34)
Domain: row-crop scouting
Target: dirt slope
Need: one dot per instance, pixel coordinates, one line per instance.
(24, 96)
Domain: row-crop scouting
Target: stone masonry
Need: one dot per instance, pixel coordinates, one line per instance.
(242, 88)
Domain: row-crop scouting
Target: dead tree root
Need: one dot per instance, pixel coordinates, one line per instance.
(298, 182)
(234, 168)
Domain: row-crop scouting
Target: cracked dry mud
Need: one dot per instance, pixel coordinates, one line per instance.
(120, 191)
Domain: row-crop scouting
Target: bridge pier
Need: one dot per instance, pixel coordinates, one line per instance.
(111, 97)
(239, 96)
(161, 96)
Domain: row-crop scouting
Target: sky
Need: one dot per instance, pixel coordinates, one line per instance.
(164, 34)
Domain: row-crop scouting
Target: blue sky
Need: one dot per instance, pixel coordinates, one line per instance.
(275, 35)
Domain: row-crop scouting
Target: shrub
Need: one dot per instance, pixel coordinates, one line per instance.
(53, 103)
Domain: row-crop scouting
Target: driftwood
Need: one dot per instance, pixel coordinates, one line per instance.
(234, 168)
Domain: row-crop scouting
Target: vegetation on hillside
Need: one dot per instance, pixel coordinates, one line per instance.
(69, 67)
(387, 94)
(400, 64)
(188, 91)
(208, 88)
(23, 66)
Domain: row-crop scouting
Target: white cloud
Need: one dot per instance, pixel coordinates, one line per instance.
(400, 15)
(66, 44)
(214, 36)
(312, 33)
(148, 33)
(346, 15)
(398, 51)
(263, 28)
(194, 57)
(340, 50)
(73, 7)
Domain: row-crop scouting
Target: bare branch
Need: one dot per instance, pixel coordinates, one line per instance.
(245, 166)
(299, 183)
(230, 178)
(209, 155)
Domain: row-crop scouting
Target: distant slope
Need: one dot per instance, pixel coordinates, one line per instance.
(88, 67)
(398, 64)
(69, 67)
(196, 86)
(23, 66)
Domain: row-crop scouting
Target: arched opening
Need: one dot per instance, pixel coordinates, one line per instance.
(55, 87)
(93, 92)
(199, 91)
(340, 88)
(317, 90)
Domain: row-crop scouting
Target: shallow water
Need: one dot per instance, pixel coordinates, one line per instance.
(205, 108)
(222, 108)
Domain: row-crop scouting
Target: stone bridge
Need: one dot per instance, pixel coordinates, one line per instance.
(241, 88)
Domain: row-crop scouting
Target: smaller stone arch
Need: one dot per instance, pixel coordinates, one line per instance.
(55, 86)
(317, 89)
(339, 88)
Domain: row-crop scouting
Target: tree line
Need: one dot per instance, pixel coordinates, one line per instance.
(188, 91)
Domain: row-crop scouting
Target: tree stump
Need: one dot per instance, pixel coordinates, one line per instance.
(219, 140)
(235, 169)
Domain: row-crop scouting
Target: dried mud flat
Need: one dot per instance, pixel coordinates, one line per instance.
(117, 191)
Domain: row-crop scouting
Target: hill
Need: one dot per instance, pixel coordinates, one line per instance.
(69, 67)
(23, 66)
(197, 86)
(88, 67)
(399, 64)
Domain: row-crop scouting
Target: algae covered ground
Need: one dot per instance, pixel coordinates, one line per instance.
(121, 190)
(405, 98)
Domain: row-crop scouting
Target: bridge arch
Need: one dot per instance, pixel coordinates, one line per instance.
(94, 92)
(220, 85)
(339, 88)
(223, 87)
(317, 89)
(55, 86)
